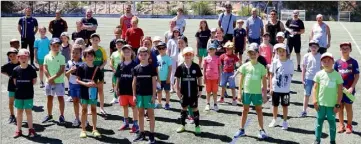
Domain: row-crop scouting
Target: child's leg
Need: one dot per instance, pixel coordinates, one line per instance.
(208, 97)
(215, 91)
(340, 114)
(190, 111)
(306, 99)
(93, 109)
(331, 122)
(259, 115)
(196, 116)
(167, 97)
(29, 118)
(61, 105)
(126, 114)
(200, 61)
(84, 114)
(285, 112)
(321, 115)
(135, 114)
(50, 105)
(141, 119)
(41, 73)
(19, 115)
(76, 102)
(101, 94)
(275, 112)
(244, 115)
(11, 105)
(159, 94)
(234, 93)
(349, 112)
(151, 119)
(184, 115)
(223, 91)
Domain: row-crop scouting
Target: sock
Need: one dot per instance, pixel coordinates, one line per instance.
(196, 118)
(125, 120)
(215, 104)
(135, 122)
(183, 117)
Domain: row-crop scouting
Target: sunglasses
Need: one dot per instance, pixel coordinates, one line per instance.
(188, 54)
(161, 48)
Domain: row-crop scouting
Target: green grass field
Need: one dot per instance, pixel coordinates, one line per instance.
(217, 127)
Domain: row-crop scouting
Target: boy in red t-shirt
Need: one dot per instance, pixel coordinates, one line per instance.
(134, 35)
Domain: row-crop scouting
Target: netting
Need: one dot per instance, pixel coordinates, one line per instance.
(287, 14)
(344, 16)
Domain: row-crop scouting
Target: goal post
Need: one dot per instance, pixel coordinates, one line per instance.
(344, 16)
(287, 14)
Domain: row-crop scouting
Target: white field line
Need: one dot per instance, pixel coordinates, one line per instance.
(353, 40)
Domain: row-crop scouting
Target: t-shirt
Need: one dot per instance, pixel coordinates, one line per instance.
(27, 26)
(144, 76)
(112, 46)
(80, 34)
(43, 47)
(296, 26)
(125, 77)
(89, 22)
(8, 69)
(211, 65)
(53, 63)
(203, 37)
(327, 87)
(134, 36)
(180, 22)
(85, 74)
(260, 59)
(126, 24)
(239, 34)
(164, 62)
(254, 25)
(100, 56)
(227, 21)
(71, 63)
(253, 75)
(188, 77)
(173, 49)
(347, 69)
(266, 51)
(24, 82)
(116, 59)
(282, 75)
(273, 30)
(58, 26)
(312, 64)
(228, 62)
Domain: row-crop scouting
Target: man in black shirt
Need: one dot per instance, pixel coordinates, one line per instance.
(274, 26)
(58, 25)
(90, 24)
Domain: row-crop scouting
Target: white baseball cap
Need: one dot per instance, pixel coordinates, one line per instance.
(279, 45)
(327, 54)
(157, 38)
(280, 34)
(188, 50)
(253, 47)
(319, 15)
(23, 52)
(213, 29)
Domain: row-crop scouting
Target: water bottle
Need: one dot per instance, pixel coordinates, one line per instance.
(349, 95)
(93, 93)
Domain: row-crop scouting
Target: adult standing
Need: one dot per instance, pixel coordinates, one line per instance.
(28, 27)
(254, 28)
(295, 28)
(125, 20)
(90, 25)
(322, 34)
(180, 20)
(227, 21)
(274, 26)
(58, 25)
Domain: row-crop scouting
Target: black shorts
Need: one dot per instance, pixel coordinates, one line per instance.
(189, 101)
(294, 43)
(238, 50)
(322, 50)
(101, 77)
(228, 37)
(284, 97)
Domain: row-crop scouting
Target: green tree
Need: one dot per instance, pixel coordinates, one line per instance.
(7, 6)
(202, 8)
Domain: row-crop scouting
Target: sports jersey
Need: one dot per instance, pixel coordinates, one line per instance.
(71, 63)
(347, 69)
(188, 77)
(8, 69)
(100, 56)
(125, 77)
(85, 74)
(24, 82)
(144, 76)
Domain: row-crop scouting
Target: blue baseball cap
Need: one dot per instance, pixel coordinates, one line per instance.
(55, 40)
(212, 46)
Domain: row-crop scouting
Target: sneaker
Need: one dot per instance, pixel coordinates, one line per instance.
(262, 134)
(190, 120)
(220, 100)
(299, 68)
(181, 129)
(114, 101)
(215, 108)
(207, 108)
(61, 119)
(42, 84)
(239, 133)
(32, 133)
(12, 119)
(83, 134)
(76, 123)
(111, 90)
(139, 137)
(158, 106)
(96, 134)
(285, 125)
(69, 99)
(151, 139)
(303, 114)
(103, 112)
(341, 129)
(167, 106)
(198, 130)
(234, 102)
(348, 129)
(18, 134)
(47, 118)
(123, 127)
(134, 129)
(273, 123)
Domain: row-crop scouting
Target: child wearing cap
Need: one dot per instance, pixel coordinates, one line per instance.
(212, 71)
(123, 87)
(239, 39)
(173, 51)
(134, 35)
(281, 72)
(24, 77)
(254, 84)
(327, 96)
(164, 72)
(189, 88)
(203, 34)
(213, 36)
(311, 64)
(112, 44)
(115, 60)
(280, 37)
(54, 68)
(349, 70)
(144, 93)
(15, 43)
(7, 70)
(41, 49)
(74, 88)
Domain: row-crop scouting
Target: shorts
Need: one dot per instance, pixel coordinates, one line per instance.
(228, 37)
(211, 85)
(126, 100)
(11, 94)
(239, 50)
(202, 52)
(57, 89)
(257, 40)
(145, 101)
(255, 99)
(294, 43)
(40, 61)
(74, 90)
(114, 79)
(226, 78)
(308, 87)
(285, 99)
(88, 101)
(345, 99)
(101, 77)
(24, 103)
(164, 86)
(192, 101)
(322, 50)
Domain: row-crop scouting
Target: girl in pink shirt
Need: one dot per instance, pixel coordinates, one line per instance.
(266, 50)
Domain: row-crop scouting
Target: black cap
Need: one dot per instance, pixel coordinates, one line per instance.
(266, 33)
(55, 40)
(12, 50)
(161, 44)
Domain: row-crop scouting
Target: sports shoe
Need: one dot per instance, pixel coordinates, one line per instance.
(299, 68)
(139, 137)
(239, 133)
(76, 123)
(69, 99)
(158, 106)
(111, 90)
(42, 84)
(151, 138)
(303, 114)
(103, 112)
(32, 133)
(47, 118)
(198, 130)
(114, 101)
(234, 102)
(341, 129)
(12, 119)
(135, 129)
(348, 129)
(123, 127)
(262, 134)
(181, 129)
(83, 134)
(215, 108)
(191, 120)
(61, 119)
(220, 100)
(166, 106)
(273, 123)
(285, 125)
(207, 108)
(96, 134)
(18, 133)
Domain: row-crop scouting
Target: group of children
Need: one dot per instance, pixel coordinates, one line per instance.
(137, 81)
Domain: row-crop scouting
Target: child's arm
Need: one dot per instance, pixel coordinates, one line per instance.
(71, 70)
(264, 88)
(339, 93)
(169, 73)
(60, 72)
(36, 55)
(3, 70)
(154, 82)
(240, 87)
(34, 81)
(303, 73)
(111, 62)
(134, 86)
(46, 72)
(82, 82)
(315, 94)
(178, 88)
(270, 83)
(204, 71)
(355, 80)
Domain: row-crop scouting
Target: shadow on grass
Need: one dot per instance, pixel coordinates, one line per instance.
(223, 138)
(201, 122)
(112, 117)
(38, 127)
(301, 104)
(40, 139)
(352, 123)
(106, 139)
(158, 135)
(105, 104)
(303, 131)
(273, 140)
(230, 112)
(38, 108)
(296, 82)
(357, 133)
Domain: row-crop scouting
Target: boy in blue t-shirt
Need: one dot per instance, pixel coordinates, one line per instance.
(164, 72)
(41, 49)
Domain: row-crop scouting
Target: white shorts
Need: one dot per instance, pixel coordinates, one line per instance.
(54, 90)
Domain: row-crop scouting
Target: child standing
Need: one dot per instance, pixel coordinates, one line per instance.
(134, 35)
(74, 87)
(253, 76)
(327, 95)
(219, 41)
(54, 63)
(281, 75)
(124, 87)
(7, 70)
(88, 75)
(117, 34)
(173, 51)
(24, 77)
(212, 71)
(41, 49)
(239, 39)
(144, 92)
(115, 60)
(349, 70)
(164, 71)
(228, 61)
(265, 50)
(311, 65)
(202, 35)
(15, 43)
(65, 46)
(212, 38)
(189, 88)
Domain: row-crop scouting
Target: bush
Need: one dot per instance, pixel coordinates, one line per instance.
(202, 8)
(173, 11)
(139, 6)
(244, 11)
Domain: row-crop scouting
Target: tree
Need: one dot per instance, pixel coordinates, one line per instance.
(7, 6)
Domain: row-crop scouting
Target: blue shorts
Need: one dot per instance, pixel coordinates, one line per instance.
(345, 99)
(226, 78)
(74, 90)
(308, 87)
(164, 86)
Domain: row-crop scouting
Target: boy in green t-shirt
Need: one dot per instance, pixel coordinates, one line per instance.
(253, 75)
(327, 95)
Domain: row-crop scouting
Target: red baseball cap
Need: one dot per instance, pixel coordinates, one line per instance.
(346, 44)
